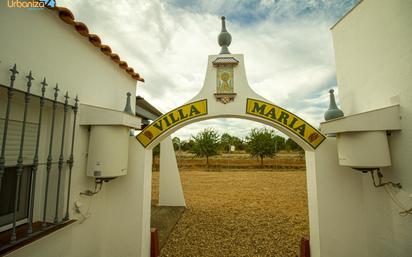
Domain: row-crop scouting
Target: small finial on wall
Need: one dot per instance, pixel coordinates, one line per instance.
(333, 112)
(128, 107)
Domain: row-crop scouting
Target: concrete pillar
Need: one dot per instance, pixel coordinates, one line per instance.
(128, 225)
(170, 186)
(336, 215)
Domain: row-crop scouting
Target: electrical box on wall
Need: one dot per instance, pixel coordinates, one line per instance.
(108, 151)
(363, 149)
(362, 138)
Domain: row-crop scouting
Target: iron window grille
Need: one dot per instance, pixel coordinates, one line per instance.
(29, 152)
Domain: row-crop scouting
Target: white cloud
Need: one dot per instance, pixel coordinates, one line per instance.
(287, 46)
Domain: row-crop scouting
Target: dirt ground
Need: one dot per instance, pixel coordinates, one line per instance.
(235, 214)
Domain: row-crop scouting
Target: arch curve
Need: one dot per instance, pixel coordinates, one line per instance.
(259, 111)
(230, 97)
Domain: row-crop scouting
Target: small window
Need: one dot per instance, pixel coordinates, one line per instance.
(8, 195)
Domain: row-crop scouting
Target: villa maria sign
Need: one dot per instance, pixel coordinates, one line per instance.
(286, 119)
(275, 114)
(171, 119)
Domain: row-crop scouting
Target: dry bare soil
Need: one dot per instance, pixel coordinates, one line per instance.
(235, 214)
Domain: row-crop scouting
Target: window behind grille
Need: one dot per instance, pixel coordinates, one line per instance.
(13, 141)
(8, 188)
(8, 195)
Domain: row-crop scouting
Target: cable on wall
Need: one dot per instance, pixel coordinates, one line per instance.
(388, 189)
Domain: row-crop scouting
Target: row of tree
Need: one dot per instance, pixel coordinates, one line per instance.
(259, 143)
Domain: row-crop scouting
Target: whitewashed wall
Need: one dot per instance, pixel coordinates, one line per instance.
(41, 42)
(373, 52)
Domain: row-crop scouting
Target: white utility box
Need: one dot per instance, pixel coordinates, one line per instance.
(108, 151)
(362, 138)
(363, 149)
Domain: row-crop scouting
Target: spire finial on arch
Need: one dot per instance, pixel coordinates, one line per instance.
(224, 38)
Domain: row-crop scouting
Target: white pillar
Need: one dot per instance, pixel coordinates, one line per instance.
(170, 186)
(128, 211)
(335, 201)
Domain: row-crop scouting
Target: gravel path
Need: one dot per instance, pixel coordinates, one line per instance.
(240, 214)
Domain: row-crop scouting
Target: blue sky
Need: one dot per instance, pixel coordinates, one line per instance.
(287, 45)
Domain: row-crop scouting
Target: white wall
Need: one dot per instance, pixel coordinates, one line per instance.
(41, 42)
(373, 52)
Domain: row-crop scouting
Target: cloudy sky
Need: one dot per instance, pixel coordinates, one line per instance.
(287, 46)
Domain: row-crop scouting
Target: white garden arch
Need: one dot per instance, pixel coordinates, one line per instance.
(226, 93)
(241, 103)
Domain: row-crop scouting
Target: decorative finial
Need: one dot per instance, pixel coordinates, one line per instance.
(29, 79)
(56, 91)
(44, 85)
(66, 101)
(224, 38)
(76, 102)
(66, 97)
(128, 107)
(333, 112)
(13, 73)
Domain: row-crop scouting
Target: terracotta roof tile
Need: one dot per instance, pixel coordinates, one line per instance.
(95, 40)
(81, 28)
(67, 16)
(106, 49)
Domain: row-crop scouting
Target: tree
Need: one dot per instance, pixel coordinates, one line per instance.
(186, 145)
(156, 151)
(238, 143)
(176, 143)
(280, 143)
(261, 143)
(290, 145)
(205, 144)
(227, 140)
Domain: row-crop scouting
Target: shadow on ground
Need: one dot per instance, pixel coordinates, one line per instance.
(164, 218)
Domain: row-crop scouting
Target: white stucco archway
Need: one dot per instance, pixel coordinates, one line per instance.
(208, 104)
(242, 102)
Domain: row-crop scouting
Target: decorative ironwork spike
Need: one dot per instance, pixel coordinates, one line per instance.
(76, 104)
(30, 77)
(29, 80)
(56, 91)
(44, 85)
(14, 71)
(66, 101)
(66, 96)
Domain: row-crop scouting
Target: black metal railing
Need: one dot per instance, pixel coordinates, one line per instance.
(62, 166)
